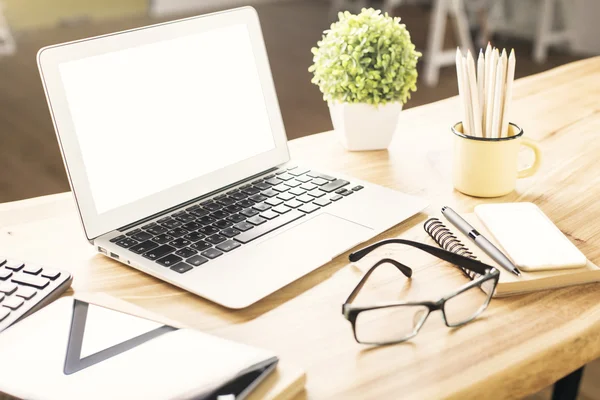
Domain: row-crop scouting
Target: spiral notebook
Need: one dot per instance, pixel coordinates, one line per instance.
(445, 235)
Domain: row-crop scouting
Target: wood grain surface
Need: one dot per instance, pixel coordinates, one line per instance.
(517, 347)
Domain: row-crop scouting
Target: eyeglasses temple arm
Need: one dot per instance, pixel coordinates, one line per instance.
(457, 259)
(407, 271)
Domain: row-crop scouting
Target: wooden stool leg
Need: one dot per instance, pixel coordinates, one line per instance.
(568, 387)
(544, 30)
(435, 41)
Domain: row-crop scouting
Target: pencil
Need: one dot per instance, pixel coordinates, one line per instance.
(475, 108)
(462, 92)
(499, 95)
(481, 88)
(510, 77)
(491, 86)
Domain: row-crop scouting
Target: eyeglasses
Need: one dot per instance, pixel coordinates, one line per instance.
(396, 322)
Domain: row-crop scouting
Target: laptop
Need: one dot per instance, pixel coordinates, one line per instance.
(177, 157)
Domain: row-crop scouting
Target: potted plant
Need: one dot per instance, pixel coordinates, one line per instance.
(365, 66)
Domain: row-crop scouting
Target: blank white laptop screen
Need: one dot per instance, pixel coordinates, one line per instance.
(166, 113)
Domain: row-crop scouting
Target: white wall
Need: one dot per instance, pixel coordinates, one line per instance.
(170, 7)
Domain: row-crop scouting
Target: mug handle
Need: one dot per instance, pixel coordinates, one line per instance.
(533, 168)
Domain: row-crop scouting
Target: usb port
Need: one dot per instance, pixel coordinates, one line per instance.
(101, 250)
(115, 256)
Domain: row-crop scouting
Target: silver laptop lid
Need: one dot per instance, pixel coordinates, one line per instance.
(153, 117)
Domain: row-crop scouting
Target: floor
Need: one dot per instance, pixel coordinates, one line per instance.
(31, 164)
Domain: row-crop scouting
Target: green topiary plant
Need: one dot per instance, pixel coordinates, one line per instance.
(366, 58)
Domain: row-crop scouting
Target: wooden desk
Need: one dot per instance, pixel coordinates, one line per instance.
(519, 346)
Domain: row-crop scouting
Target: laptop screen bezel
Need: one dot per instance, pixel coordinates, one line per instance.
(49, 59)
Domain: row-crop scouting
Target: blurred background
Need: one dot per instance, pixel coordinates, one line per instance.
(544, 33)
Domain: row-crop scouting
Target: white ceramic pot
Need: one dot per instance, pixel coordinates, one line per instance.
(361, 126)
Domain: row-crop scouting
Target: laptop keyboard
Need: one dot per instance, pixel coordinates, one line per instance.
(193, 236)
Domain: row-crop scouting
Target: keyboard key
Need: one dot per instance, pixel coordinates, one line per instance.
(164, 219)
(285, 177)
(185, 252)
(227, 201)
(245, 203)
(297, 191)
(194, 236)
(316, 193)
(210, 206)
(293, 183)
(269, 214)
(316, 174)
(14, 265)
(261, 207)
(13, 303)
(51, 274)
(26, 292)
(200, 246)
(133, 232)
(127, 243)
(308, 186)
(116, 239)
(233, 208)
(7, 288)
(340, 191)
(228, 245)
(192, 208)
(159, 252)
(4, 312)
(157, 230)
(185, 218)
(267, 227)
(308, 208)
(181, 267)
(212, 253)
(285, 196)
(192, 226)
(206, 220)
(293, 203)
(249, 212)
(257, 198)
(219, 214)
(30, 280)
(305, 198)
(32, 269)
(256, 220)
(281, 171)
(357, 188)
(196, 261)
(281, 209)
(230, 232)
(292, 167)
(298, 171)
(238, 196)
(208, 230)
(200, 212)
(251, 190)
(5, 274)
(335, 185)
(273, 201)
(169, 260)
(160, 239)
(171, 224)
(304, 178)
(179, 243)
(322, 202)
(236, 218)
(222, 224)
(270, 193)
(142, 236)
(177, 232)
(347, 193)
(281, 188)
(143, 247)
(319, 181)
(336, 197)
(178, 214)
(273, 181)
(243, 226)
(216, 239)
(262, 185)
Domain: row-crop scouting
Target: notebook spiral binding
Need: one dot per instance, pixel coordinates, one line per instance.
(448, 241)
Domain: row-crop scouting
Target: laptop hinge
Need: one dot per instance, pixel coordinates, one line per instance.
(205, 196)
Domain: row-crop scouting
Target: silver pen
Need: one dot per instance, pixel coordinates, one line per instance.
(479, 240)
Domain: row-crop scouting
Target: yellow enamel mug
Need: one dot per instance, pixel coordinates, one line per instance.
(488, 167)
